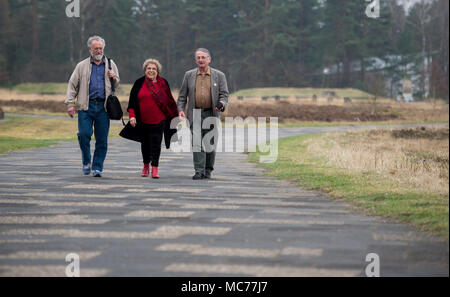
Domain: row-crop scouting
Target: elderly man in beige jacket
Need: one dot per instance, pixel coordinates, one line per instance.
(89, 87)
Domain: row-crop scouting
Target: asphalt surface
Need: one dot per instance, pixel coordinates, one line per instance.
(240, 223)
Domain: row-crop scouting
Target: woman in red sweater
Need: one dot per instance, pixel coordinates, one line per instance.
(151, 108)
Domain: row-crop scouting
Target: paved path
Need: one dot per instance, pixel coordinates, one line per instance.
(240, 223)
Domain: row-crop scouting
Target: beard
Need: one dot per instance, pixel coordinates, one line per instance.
(97, 57)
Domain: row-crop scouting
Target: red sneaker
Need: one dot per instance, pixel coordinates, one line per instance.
(155, 172)
(146, 170)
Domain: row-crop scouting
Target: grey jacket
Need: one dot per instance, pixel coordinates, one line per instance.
(219, 92)
(78, 87)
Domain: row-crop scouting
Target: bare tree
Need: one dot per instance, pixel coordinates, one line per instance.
(35, 28)
(4, 36)
(420, 19)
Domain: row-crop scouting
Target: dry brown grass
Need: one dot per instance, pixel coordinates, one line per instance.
(337, 101)
(361, 111)
(38, 129)
(288, 110)
(32, 128)
(6, 94)
(416, 158)
(12, 101)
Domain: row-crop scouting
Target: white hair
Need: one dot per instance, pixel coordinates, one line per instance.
(96, 38)
(203, 50)
(154, 62)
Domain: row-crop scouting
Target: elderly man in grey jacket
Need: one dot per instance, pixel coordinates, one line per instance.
(207, 91)
(89, 87)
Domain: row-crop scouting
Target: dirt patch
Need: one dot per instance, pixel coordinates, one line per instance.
(23, 105)
(321, 113)
(421, 132)
(50, 106)
(285, 111)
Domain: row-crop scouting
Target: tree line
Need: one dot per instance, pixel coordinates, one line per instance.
(257, 43)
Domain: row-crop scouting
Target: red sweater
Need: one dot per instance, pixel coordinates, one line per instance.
(150, 112)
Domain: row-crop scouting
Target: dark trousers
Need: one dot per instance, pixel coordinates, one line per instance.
(203, 160)
(151, 144)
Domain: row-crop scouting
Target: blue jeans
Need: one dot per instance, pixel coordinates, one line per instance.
(97, 118)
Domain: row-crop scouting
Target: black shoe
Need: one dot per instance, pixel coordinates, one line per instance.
(207, 175)
(197, 176)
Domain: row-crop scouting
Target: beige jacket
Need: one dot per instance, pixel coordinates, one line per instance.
(78, 88)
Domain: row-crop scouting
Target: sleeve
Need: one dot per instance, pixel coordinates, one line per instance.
(116, 79)
(131, 113)
(132, 99)
(72, 88)
(182, 96)
(223, 90)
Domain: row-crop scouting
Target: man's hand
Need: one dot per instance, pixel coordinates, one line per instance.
(181, 115)
(133, 122)
(71, 111)
(222, 109)
(111, 74)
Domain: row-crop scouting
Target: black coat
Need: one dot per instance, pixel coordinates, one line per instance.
(136, 133)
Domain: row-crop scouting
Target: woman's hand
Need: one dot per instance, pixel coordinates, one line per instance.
(133, 122)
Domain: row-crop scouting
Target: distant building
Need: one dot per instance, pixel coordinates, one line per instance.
(407, 90)
(395, 70)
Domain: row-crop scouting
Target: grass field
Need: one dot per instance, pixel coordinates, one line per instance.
(26, 132)
(40, 88)
(398, 175)
(401, 175)
(300, 92)
(61, 88)
(9, 144)
(52, 88)
(291, 112)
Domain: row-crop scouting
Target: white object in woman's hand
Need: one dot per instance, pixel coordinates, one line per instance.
(133, 122)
